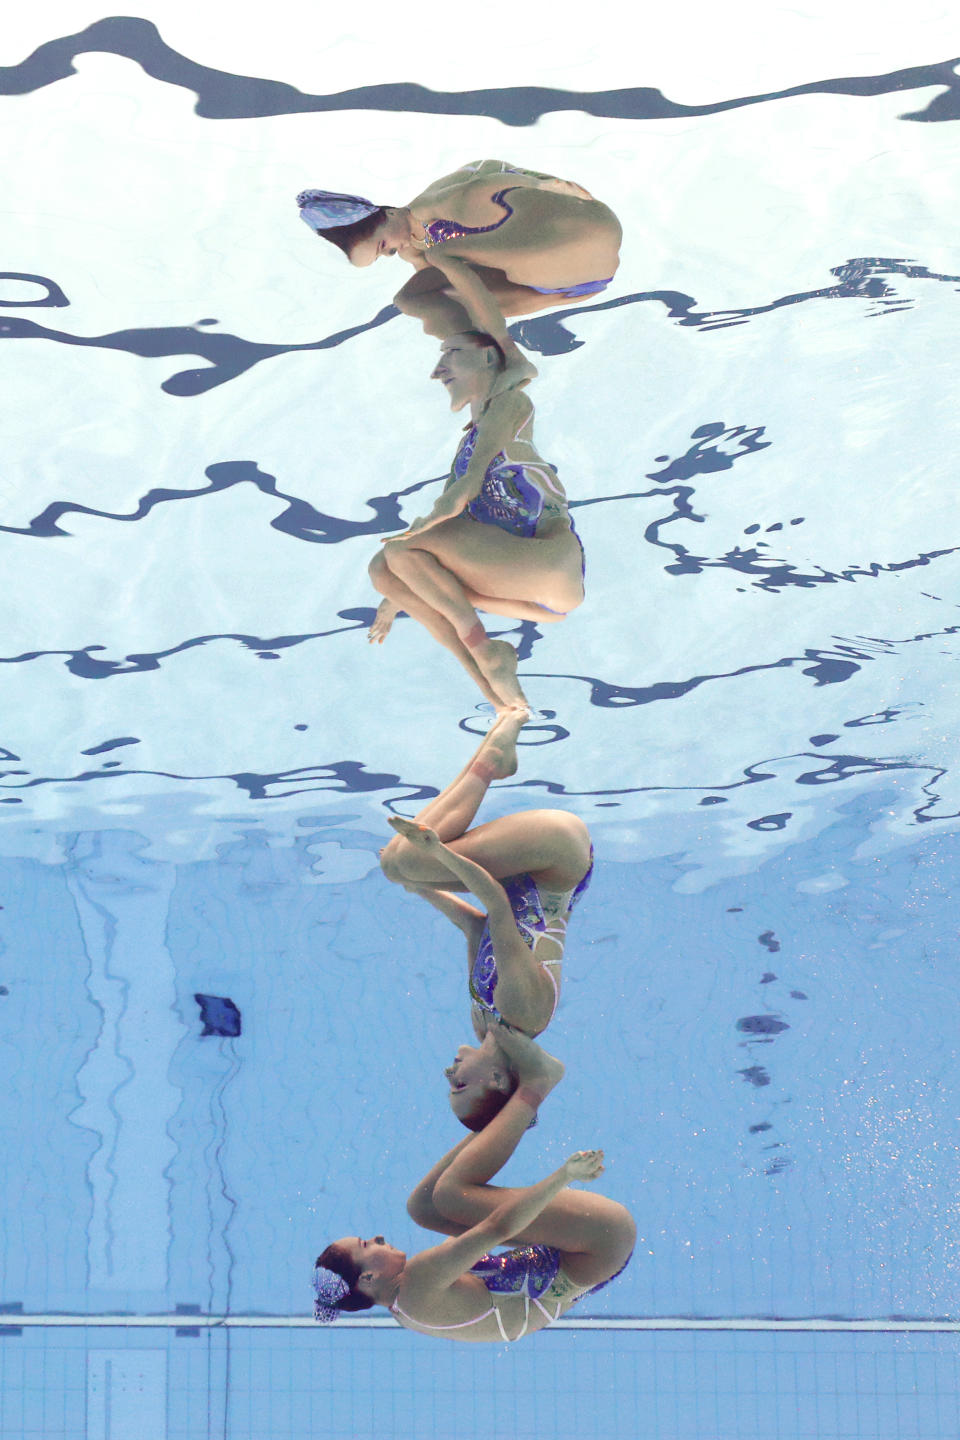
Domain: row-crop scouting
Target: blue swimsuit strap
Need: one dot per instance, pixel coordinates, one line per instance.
(453, 229)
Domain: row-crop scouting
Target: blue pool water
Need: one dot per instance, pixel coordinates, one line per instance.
(222, 1032)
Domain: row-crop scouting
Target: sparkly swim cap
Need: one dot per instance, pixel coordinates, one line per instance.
(326, 210)
(329, 1287)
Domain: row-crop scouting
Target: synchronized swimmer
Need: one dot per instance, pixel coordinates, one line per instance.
(551, 242)
(489, 241)
(499, 538)
(528, 871)
(565, 1244)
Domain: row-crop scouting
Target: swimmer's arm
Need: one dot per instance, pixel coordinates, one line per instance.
(506, 414)
(466, 917)
(476, 879)
(443, 1265)
(452, 500)
(515, 966)
(503, 417)
(519, 978)
(413, 257)
(476, 299)
(483, 310)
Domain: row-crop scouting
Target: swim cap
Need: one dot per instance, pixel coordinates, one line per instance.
(329, 1287)
(326, 210)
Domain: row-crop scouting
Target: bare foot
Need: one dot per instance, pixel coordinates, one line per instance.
(497, 660)
(531, 1063)
(499, 749)
(384, 618)
(419, 835)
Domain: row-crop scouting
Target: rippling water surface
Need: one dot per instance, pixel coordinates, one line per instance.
(222, 1031)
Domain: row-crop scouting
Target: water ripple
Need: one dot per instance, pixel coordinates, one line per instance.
(229, 356)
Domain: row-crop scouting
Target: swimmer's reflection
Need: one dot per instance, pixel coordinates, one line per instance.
(527, 871)
(499, 537)
(535, 240)
(567, 1243)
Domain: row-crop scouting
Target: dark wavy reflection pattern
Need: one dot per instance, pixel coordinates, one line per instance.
(834, 769)
(824, 667)
(224, 96)
(86, 664)
(343, 777)
(300, 519)
(228, 356)
(351, 777)
(303, 521)
(860, 278)
(706, 457)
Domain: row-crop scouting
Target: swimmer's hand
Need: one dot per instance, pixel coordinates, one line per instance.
(448, 507)
(417, 524)
(386, 614)
(413, 254)
(584, 1165)
(416, 527)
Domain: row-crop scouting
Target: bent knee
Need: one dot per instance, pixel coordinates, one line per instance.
(625, 1232)
(420, 1209)
(378, 569)
(394, 557)
(579, 596)
(575, 834)
(390, 861)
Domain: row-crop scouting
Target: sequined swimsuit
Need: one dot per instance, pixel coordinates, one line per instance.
(437, 231)
(528, 1271)
(538, 914)
(515, 495)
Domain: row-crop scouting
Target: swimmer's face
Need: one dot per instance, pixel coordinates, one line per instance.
(390, 236)
(472, 1075)
(378, 1261)
(464, 370)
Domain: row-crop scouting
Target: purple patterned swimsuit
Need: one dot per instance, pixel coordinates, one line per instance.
(513, 497)
(529, 1270)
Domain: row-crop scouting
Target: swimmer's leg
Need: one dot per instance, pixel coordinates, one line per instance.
(392, 588)
(514, 609)
(594, 1233)
(440, 589)
(452, 811)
